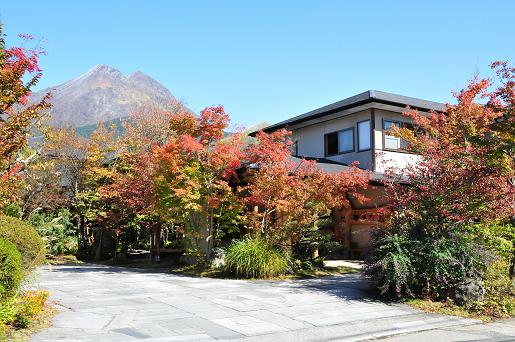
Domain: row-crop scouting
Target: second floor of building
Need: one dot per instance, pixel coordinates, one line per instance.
(357, 129)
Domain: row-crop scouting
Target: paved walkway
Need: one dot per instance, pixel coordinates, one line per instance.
(500, 331)
(103, 303)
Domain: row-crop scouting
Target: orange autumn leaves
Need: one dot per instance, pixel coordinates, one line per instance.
(201, 174)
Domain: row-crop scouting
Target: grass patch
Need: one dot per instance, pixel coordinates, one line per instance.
(446, 308)
(322, 272)
(137, 263)
(64, 260)
(200, 270)
(205, 270)
(42, 321)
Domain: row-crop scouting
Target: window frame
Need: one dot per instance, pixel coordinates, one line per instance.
(338, 142)
(326, 144)
(295, 148)
(401, 125)
(370, 132)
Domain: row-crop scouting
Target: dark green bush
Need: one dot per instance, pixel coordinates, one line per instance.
(25, 238)
(332, 250)
(11, 272)
(391, 264)
(449, 264)
(409, 264)
(254, 257)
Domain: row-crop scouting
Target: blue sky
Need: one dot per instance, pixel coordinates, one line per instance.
(270, 60)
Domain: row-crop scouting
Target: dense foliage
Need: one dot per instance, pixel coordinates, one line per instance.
(452, 211)
(11, 272)
(25, 185)
(406, 264)
(193, 175)
(255, 257)
(57, 230)
(20, 310)
(26, 239)
(290, 196)
(19, 72)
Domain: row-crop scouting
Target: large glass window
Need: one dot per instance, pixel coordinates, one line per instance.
(346, 140)
(339, 142)
(364, 135)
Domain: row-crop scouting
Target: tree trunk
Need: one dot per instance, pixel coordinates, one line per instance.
(98, 253)
(81, 237)
(125, 246)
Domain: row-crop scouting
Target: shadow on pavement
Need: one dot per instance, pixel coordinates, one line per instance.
(346, 287)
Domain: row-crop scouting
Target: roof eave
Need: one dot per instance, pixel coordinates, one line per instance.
(373, 97)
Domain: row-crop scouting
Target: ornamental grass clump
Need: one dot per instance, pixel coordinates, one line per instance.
(255, 257)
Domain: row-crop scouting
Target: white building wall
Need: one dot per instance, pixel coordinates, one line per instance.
(311, 141)
(385, 159)
(396, 160)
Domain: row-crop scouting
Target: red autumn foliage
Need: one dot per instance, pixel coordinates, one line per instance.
(464, 173)
(290, 195)
(16, 118)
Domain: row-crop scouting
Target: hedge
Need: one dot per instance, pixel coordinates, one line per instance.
(25, 238)
(11, 272)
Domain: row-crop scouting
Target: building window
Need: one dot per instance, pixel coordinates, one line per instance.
(391, 142)
(346, 140)
(295, 148)
(339, 142)
(364, 135)
(331, 144)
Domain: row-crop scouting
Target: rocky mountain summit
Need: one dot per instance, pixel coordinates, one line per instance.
(102, 94)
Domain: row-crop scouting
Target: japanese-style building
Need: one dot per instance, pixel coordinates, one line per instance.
(356, 129)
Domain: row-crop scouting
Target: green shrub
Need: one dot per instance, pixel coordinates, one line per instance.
(255, 258)
(21, 310)
(451, 266)
(57, 230)
(307, 265)
(390, 264)
(438, 266)
(499, 299)
(332, 250)
(7, 310)
(11, 272)
(27, 241)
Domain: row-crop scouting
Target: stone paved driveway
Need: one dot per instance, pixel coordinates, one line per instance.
(102, 303)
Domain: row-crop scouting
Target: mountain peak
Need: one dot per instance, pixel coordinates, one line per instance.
(103, 93)
(137, 74)
(103, 69)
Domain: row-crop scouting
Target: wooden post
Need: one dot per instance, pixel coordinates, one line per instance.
(348, 229)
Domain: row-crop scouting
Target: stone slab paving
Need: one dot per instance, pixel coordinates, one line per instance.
(500, 331)
(102, 303)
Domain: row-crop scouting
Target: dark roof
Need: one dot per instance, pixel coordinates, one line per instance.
(331, 166)
(320, 160)
(366, 97)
